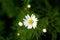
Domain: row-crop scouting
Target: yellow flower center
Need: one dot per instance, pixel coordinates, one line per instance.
(30, 21)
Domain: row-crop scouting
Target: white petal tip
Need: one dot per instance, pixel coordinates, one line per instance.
(29, 27)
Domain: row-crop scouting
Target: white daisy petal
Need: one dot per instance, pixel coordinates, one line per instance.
(33, 16)
(34, 25)
(29, 27)
(25, 23)
(24, 19)
(28, 16)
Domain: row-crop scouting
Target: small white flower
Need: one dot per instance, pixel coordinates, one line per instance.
(44, 30)
(18, 34)
(20, 24)
(28, 6)
(30, 22)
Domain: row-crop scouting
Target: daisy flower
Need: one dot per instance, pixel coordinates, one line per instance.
(30, 21)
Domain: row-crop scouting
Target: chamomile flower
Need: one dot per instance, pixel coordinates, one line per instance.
(30, 21)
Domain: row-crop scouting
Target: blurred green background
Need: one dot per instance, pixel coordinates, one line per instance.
(13, 11)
